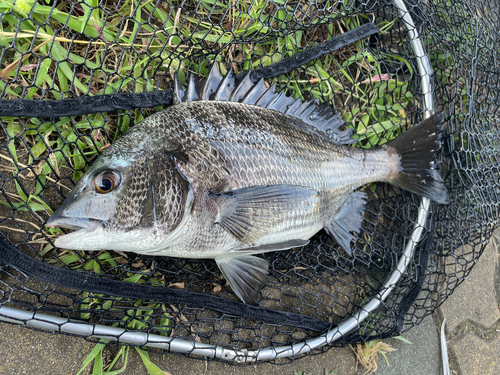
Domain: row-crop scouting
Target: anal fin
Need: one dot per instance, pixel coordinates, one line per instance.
(349, 219)
(274, 247)
(246, 275)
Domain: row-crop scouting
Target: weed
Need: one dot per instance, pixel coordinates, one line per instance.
(367, 353)
(97, 358)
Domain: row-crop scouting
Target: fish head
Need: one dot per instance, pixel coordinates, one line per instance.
(136, 200)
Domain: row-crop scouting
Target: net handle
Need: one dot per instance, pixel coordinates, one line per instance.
(58, 324)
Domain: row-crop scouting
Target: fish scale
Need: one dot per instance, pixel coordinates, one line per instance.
(233, 170)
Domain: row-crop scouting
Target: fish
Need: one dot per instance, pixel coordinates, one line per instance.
(234, 169)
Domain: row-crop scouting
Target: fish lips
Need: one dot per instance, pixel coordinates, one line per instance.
(79, 224)
(75, 223)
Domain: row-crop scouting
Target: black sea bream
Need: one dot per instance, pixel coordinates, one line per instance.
(233, 170)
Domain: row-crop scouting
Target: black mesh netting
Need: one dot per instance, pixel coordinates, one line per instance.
(97, 50)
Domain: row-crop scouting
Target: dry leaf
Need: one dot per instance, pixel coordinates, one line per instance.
(177, 285)
(138, 264)
(367, 354)
(121, 253)
(217, 288)
(377, 78)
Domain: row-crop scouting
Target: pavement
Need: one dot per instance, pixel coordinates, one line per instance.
(472, 333)
(473, 317)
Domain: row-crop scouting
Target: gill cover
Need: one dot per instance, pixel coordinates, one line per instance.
(151, 201)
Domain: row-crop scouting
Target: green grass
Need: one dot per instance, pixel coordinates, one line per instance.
(374, 105)
(99, 367)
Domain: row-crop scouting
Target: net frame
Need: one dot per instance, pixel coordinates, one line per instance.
(177, 345)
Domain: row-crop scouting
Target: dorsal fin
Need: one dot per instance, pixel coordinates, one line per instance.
(179, 93)
(255, 92)
(227, 86)
(192, 92)
(268, 97)
(211, 83)
(242, 89)
(215, 87)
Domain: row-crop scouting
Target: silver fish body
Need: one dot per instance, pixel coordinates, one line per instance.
(233, 170)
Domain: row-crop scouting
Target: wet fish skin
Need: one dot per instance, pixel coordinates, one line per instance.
(228, 180)
(221, 154)
(215, 152)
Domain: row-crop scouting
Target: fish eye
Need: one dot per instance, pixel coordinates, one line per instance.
(106, 182)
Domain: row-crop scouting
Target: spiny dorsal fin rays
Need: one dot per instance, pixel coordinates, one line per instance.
(256, 92)
(310, 107)
(296, 107)
(268, 96)
(281, 102)
(215, 87)
(212, 83)
(227, 86)
(242, 89)
(192, 92)
(179, 92)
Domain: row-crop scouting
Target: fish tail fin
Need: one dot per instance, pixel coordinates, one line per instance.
(417, 149)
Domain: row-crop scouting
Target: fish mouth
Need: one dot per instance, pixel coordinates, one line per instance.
(81, 226)
(74, 223)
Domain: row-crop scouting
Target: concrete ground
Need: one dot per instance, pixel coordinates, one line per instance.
(473, 317)
(473, 335)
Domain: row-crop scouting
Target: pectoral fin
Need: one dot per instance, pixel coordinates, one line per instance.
(349, 219)
(246, 275)
(250, 213)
